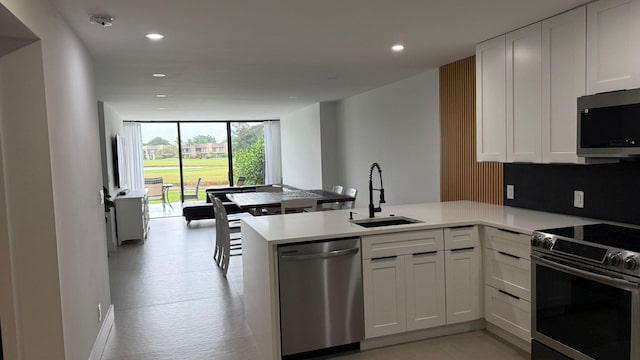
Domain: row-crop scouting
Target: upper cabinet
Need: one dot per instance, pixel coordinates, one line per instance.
(523, 52)
(490, 100)
(544, 75)
(563, 81)
(613, 49)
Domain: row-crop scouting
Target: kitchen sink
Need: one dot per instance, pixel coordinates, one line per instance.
(387, 221)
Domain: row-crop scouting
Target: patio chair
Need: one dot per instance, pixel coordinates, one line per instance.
(194, 196)
(156, 191)
(241, 181)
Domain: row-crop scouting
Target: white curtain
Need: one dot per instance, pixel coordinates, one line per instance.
(134, 155)
(273, 165)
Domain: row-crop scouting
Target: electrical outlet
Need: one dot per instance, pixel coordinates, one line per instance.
(510, 192)
(578, 199)
(99, 312)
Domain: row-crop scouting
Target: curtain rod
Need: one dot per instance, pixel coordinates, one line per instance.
(195, 121)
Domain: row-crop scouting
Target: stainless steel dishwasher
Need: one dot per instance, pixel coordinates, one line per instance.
(321, 302)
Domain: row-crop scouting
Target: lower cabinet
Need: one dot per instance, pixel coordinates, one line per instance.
(132, 216)
(413, 288)
(383, 282)
(507, 269)
(463, 284)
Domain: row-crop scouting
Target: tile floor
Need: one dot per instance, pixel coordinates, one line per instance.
(171, 302)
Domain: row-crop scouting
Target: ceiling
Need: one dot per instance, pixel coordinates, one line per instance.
(262, 59)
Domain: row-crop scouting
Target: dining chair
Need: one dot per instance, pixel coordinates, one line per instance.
(338, 189)
(155, 189)
(350, 204)
(225, 244)
(298, 205)
(195, 194)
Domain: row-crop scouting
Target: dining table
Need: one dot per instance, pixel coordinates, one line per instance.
(266, 200)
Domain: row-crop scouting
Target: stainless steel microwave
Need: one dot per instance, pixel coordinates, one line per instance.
(609, 124)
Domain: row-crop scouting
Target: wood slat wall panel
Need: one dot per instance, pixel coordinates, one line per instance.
(461, 176)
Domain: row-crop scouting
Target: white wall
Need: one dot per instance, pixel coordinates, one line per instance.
(110, 124)
(60, 265)
(329, 141)
(398, 126)
(301, 148)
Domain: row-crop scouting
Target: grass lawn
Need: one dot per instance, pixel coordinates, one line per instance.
(214, 172)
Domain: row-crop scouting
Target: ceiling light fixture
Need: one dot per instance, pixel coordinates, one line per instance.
(161, 96)
(154, 36)
(159, 75)
(397, 47)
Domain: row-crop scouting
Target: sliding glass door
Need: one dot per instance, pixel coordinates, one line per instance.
(162, 168)
(205, 158)
(247, 142)
(183, 159)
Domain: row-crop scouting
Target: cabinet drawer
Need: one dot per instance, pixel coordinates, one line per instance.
(508, 312)
(403, 243)
(461, 237)
(508, 272)
(508, 242)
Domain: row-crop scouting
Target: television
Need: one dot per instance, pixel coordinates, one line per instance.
(120, 163)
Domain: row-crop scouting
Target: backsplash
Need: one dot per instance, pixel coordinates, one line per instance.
(611, 191)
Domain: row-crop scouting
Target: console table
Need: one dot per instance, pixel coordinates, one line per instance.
(132, 216)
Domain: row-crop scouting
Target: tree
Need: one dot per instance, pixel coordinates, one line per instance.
(204, 139)
(249, 162)
(158, 140)
(243, 135)
(166, 152)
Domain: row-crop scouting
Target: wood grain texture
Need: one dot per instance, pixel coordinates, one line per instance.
(461, 176)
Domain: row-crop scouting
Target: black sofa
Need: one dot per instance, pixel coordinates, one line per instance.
(204, 209)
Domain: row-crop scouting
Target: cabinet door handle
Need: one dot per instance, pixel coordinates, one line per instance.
(384, 258)
(425, 253)
(463, 249)
(509, 255)
(510, 295)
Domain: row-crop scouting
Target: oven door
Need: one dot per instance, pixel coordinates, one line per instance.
(582, 312)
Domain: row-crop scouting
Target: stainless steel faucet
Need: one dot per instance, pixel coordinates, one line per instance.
(372, 208)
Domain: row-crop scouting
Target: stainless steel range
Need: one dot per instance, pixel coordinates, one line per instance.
(586, 293)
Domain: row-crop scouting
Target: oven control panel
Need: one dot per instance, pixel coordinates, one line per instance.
(610, 258)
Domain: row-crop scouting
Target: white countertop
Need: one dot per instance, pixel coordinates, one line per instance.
(280, 229)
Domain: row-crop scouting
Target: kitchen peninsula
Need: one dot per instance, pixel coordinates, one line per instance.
(262, 236)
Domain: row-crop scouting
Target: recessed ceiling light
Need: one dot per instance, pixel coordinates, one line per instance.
(397, 47)
(160, 108)
(154, 36)
(292, 97)
(159, 75)
(161, 96)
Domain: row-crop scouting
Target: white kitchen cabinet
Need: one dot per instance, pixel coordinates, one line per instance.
(425, 290)
(384, 296)
(544, 75)
(132, 216)
(613, 50)
(491, 100)
(523, 94)
(509, 312)
(563, 81)
(463, 274)
(462, 268)
(507, 281)
(403, 282)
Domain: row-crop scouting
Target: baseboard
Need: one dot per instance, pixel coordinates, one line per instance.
(103, 335)
(510, 338)
(422, 334)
